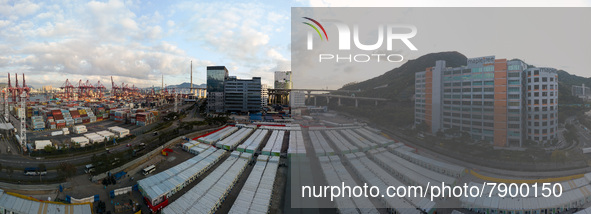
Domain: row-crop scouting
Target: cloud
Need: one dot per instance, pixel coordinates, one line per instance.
(19, 9)
(92, 41)
(449, 3)
(243, 33)
(134, 42)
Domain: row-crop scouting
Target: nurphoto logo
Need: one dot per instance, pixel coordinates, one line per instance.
(387, 31)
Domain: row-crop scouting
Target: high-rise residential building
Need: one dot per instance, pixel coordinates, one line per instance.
(581, 91)
(242, 95)
(216, 77)
(264, 95)
(47, 88)
(495, 100)
(283, 80)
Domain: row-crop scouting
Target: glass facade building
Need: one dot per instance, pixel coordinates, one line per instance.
(216, 77)
(242, 95)
(494, 100)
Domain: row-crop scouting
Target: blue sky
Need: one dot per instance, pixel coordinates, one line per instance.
(138, 41)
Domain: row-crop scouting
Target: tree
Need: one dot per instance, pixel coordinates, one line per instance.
(49, 149)
(422, 127)
(188, 126)
(0, 167)
(440, 134)
(66, 170)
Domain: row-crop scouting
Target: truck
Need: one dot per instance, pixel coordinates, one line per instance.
(56, 133)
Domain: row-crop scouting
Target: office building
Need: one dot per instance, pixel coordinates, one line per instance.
(242, 95)
(495, 100)
(216, 77)
(47, 88)
(264, 95)
(297, 99)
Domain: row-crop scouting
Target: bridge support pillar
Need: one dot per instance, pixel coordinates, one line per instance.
(327, 100)
(356, 103)
(339, 101)
(376, 103)
(314, 100)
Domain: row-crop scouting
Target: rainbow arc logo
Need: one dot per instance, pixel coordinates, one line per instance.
(315, 28)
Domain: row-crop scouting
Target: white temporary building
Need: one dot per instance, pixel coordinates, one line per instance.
(82, 141)
(435, 165)
(120, 132)
(218, 135)
(573, 198)
(199, 148)
(290, 127)
(164, 184)
(255, 195)
(342, 144)
(379, 139)
(107, 134)
(324, 128)
(208, 195)
(41, 144)
(273, 146)
(252, 143)
(94, 138)
(296, 144)
(374, 175)
(417, 174)
(230, 142)
(319, 144)
(336, 174)
(10, 203)
(189, 144)
(79, 129)
(358, 140)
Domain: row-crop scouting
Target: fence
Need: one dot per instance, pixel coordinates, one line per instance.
(120, 191)
(89, 199)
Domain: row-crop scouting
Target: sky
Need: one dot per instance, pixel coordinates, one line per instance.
(547, 37)
(137, 42)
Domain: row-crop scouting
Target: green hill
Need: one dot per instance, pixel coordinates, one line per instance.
(565, 83)
(398, 84)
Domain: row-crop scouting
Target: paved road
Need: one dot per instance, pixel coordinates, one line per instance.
(19, 162)
(486, 170)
